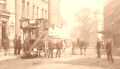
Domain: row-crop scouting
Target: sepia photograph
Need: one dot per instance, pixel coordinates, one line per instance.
(59, 34)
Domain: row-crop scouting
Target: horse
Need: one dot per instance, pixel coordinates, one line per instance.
(55, 44)
(40, 47)
(59, 47)
(82, 46)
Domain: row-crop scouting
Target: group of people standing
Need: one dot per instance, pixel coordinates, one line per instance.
(107, 45)
(17, 46)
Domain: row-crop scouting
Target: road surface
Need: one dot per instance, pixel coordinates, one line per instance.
(65, 62)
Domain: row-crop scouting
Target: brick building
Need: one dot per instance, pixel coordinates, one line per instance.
(112, 24)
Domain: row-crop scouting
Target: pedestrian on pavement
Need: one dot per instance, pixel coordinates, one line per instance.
(98, 47)
(17, 47)
(108, 46)
(5, 45)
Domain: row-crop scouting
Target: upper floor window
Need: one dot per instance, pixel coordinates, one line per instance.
(2, 1)
(2, 4)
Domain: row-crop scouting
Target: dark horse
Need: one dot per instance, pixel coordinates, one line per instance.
(83, 46)
(41, 48)
(55, 44)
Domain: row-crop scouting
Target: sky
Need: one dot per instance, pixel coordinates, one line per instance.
(69, 7)
(68, 10)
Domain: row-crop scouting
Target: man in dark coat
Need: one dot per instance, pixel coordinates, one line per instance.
(17, 47)
(98, 46)
(108, 47)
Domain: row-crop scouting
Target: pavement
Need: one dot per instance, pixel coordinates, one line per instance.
(9, 56)
(2, 58)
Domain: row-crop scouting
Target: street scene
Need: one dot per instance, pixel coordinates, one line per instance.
(59, 34)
